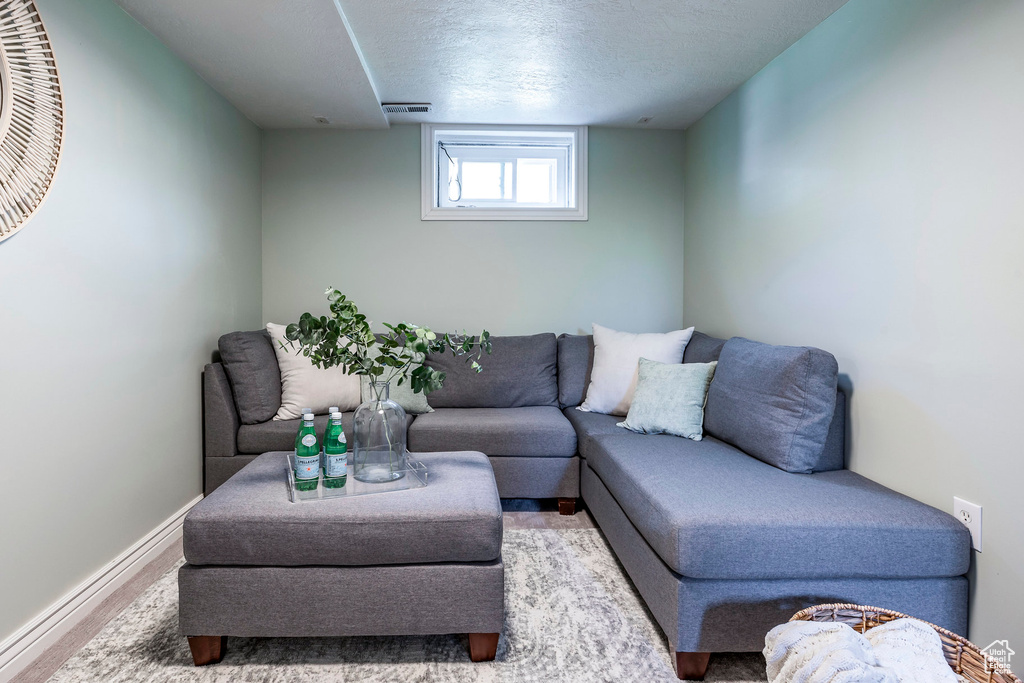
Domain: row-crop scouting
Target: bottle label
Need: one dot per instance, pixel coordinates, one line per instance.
(309, 440)
(336, 465)
(307, 466)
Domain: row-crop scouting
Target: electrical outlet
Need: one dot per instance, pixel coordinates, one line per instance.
(970, 515)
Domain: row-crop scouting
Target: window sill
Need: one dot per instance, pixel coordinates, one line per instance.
(517, 214)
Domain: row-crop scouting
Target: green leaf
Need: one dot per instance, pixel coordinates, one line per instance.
(345, 339)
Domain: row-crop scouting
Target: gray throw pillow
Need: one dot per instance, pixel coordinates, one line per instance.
(575, 365)
(702, 348)
(774, 402)
(402, 394)
(670, 399)
(251, 366)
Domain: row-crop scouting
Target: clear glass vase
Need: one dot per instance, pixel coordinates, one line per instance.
(379, 454)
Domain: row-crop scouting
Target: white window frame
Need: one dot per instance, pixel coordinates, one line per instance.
(577, 169)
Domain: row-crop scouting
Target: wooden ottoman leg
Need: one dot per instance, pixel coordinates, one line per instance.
(483, 646)
(207, 649)
(691, 666)
(567, 506)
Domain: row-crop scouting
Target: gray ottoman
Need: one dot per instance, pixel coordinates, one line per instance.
(414, 562)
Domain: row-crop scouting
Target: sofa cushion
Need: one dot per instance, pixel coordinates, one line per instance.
(250, 521)
(575, 363)
(520, 371)
(279, 435)
(616, 358)
(774, 402)
(670, 398)
(590, 425)
(251, 366)
(712, 512)
(702, 349)
(833, 457)
(530, 430)
(306, 386)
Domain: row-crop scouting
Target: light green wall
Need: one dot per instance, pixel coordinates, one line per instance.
(111, 300)
(863, 193)
(343, 209)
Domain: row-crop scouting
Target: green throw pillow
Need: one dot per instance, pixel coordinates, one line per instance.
(402, 394)
(670, 399)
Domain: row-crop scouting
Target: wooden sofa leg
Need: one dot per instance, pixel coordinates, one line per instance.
(483, 646)
(207, 649)
(567, 506)
(691, 666)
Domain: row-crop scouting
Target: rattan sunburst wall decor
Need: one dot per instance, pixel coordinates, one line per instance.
(31, 114)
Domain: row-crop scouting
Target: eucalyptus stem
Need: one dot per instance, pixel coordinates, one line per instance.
(344, 338)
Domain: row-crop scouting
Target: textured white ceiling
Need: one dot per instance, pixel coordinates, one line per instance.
(281, 62)
(599, 62)
(605, 62)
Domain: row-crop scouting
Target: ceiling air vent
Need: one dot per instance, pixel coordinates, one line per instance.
(404, 108)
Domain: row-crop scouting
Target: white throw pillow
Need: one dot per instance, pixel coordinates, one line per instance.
(303, 385)
(616, 361)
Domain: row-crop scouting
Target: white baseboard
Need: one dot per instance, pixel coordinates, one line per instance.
(31, 640)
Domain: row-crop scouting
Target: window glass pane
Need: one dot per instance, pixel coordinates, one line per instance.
(535, 181)
(482, 180)
(508, 181)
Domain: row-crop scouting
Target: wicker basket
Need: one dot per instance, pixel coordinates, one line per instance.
(963, 656)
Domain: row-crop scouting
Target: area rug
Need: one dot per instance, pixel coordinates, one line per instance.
(571, 615)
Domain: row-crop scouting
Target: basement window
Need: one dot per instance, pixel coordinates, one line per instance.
(511, 173)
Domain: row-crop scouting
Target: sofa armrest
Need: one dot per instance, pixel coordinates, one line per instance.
(220, 417)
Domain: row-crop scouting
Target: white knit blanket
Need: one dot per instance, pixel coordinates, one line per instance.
(900, 651)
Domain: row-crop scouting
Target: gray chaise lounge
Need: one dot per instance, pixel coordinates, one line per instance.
(723, 547)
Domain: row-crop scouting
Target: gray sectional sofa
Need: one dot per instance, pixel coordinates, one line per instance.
(721, 545)
(510, 412)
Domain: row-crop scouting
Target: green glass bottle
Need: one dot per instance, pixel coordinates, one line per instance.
(307, 457)
(330, 412)
(298, 434)
(335, 454)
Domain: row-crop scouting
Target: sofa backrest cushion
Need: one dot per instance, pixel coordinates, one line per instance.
(775, 403)
(834, 455)
(575, 363)
(251, 366)
(520, 371)
(702, 348)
